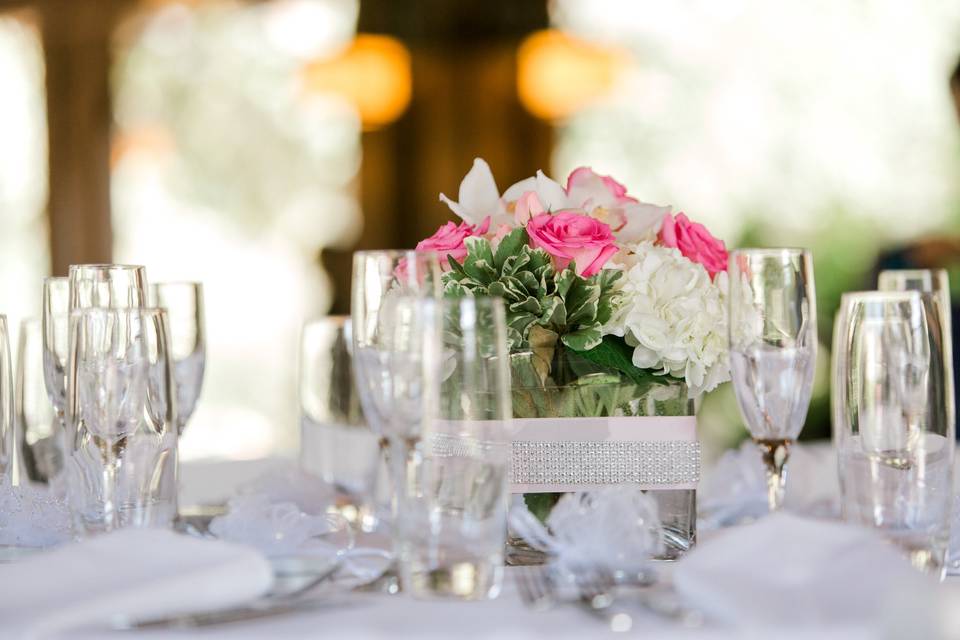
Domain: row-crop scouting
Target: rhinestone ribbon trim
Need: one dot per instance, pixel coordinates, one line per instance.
(572, 454)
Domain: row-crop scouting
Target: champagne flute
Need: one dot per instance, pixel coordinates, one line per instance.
(895, 442)
(773, 351)
(183, 302)
(39, 431)
(110, 286)
(380, 279)
(56, 328)
(120, 410)
(6, 405)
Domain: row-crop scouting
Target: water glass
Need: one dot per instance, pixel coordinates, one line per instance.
(40, 434)
(335, 443)
(6, 405)
(773, 351)
(183, 302)
(933, 285)
(894, 445)
(451, 526)
(120, 416)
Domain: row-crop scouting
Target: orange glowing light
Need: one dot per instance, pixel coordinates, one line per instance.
(153, 142)
(557, 74)
(373, 73)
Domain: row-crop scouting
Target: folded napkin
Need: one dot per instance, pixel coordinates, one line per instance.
(788, 571)
(132, 574)
(292, 518)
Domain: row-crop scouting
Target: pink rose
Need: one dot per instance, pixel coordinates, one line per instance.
(694, 242)
(449, 240)
(571, 235)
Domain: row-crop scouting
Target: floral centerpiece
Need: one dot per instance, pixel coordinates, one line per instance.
(615, 309)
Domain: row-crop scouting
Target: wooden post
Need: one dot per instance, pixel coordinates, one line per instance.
(76, 44)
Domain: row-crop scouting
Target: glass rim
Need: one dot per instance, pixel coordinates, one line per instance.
(876, 294)
(144, 311)
(338, 320)
(395, 253)
(56, 279)
(105, 265)
(195, 284)
(443, 301)
(772, 251)
(937, 271)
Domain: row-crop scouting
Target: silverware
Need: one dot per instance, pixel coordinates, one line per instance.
(596, 592)
(274, 603)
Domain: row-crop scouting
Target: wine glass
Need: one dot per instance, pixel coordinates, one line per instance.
(6, 405)
(380, 279)
(934, 288)
(120, 410)
(111, 286)
(183, 302)
(773, 350)
(452, 427)
(55, 321)
(895, 443)
(40, 436)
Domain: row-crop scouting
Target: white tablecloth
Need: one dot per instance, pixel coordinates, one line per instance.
(373, 616)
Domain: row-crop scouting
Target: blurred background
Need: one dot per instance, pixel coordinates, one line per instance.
(254, 145)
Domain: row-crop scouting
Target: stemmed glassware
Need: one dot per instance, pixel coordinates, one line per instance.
(380, 279)
(40, 433)
(55, 325)
(183, 302)
(108, 286)
(892, 420)
(773, 350)
(6, 405)
(120, 412)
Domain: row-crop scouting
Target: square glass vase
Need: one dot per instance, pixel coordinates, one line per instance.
(560, 384)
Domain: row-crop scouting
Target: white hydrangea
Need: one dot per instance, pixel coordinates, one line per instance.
(673, 316)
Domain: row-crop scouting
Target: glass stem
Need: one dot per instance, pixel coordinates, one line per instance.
(775, 453)
(108, 492)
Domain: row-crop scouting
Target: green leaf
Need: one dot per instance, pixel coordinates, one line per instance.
(510, 246)
(530, 305)
(480, 270)
(583, 339)
(613, 353)
(541, 504)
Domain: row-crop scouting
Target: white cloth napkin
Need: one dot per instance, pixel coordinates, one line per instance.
(131, 573)
(288, 513)
(788, 571)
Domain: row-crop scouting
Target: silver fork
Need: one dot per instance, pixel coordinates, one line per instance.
(535, 588)
(592, 591)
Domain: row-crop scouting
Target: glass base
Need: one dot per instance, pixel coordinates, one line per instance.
(677, 509)
(469, 580)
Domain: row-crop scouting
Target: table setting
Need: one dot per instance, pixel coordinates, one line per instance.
(499, 441)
